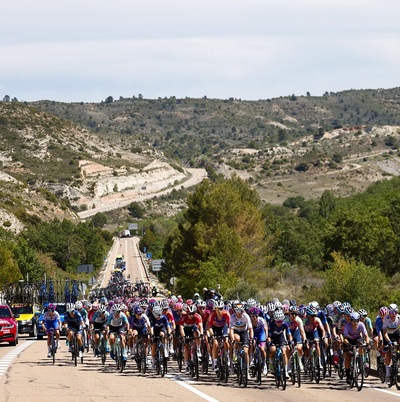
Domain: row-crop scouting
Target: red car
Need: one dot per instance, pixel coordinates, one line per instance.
(8, 325)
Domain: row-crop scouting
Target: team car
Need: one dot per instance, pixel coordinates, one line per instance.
(28, 314)
(8, 325)
(61, 308)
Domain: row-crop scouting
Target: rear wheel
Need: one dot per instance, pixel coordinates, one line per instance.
(283, 371)
(359, 373)
(367, 363)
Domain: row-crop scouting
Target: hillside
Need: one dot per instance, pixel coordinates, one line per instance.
(59, 159)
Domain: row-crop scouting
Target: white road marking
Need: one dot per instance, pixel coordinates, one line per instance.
(10, 356)
(184, 384)
(386, 391)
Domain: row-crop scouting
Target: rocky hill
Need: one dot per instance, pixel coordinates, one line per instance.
(59, 159)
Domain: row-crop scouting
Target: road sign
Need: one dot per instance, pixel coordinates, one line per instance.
(92, 281)
(82, 287)
(133, 226)
(172, 280)
(85, 268)
(149, 255)
(156, 265)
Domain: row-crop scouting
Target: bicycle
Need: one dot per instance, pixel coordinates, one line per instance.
(204, 356)
(380, 364)
(74, 348)
(394, 372)
(257, 367)
(366, 362)
(193, 358)
(119, 352)
(295, 366)
(241, 366)
(161, 360)
(179, 353)
(279, 368)
(102, 345)
(356, 368)
(141, 356)
(53, 343)
(328, 361)
(222, 368)
(313, 364)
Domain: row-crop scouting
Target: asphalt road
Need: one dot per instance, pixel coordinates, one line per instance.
(27, 374)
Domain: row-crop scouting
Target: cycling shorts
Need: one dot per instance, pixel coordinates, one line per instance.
(51, 325)
(220, 331)
(244, 337)
(119, 329)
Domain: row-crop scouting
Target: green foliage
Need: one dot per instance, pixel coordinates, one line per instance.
(222, 235)
(357, 283)
(9, 270)
(136, 210)
(99, 220)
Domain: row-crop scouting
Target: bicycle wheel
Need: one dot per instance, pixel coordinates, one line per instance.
(259, 367)
(293, 368)
(179, 356)
(359, 373)
(224, 367)
(323, 361)
(277, 370)
(75, 350)
(381, 369)
(53, 347)
(396, 375)
(244, 371)
(298, 375)
(143, 358)
(162, 361)
(195, 365)
(158, 361)
(341, 365)
(103, 349)
(316, 365)
(205, 358)
(311, 368)
(282, 371)
(367, 363)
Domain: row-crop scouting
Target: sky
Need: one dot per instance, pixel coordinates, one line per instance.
(86, 50)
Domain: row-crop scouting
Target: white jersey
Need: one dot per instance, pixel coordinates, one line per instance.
(391, 326)
(240, 324)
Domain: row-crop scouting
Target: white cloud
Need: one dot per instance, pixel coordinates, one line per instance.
(87, 50)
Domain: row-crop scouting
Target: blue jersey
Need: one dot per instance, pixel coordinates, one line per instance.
(139, 323)
(160, 324)
(73, 322)
(275, 331)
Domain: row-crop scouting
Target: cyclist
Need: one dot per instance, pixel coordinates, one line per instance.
(74, 323)
(117, 323)
(353, 332)
(99, 324)
(171, 321)
(260, 327)
(160, 328)
(217, 325)
(377, 330)
(391, 333)
(51, 320)
(313, 327)
(83, 312)
(139, 325)
(297, 330)
(178, 314)
(366, 321)
(191, 326)
(240, 330)
(279, 334)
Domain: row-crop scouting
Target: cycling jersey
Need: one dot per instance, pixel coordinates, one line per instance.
(221, 321)
(279, 334)
(139, 323)
(73, 322)
(350, 333)
(51, 320)
(259, 330)
(391, 326)
(240, 324)
(99, 321)
(120, 321)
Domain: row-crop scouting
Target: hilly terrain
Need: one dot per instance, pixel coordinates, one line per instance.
(61, 158)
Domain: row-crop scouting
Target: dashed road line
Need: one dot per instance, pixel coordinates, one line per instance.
(6, 360)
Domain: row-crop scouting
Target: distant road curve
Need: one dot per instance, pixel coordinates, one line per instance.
(196, 177)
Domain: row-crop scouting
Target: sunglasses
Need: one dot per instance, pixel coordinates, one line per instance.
(179, 311)
(254, 316)
(292, 313)
(139, 313)
(279, 322)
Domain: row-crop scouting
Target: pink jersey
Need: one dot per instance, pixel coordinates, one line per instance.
(215, 321)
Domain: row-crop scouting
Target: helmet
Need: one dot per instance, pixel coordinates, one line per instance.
(292, 302)
(103, 300)
(279, 316)
(95, 306)
(251, 303)
(201, 303)
(255, 311)
(102, 308)
(302, 312)
(152, 303)
(383, 311)
(51, 306)
(286, 301)
(311, 311)
(340, 308)
(124, 307)
(346, 304)
(219, 304)
(354, 316)
(116, 307)
(138, 310)
(87, 304)
(278, 304)
(78, 305)
(285, 308)
(178, 306)
(196, 296)
(239, 307)
(270, 307)
(164, 304)
(189, 302)
(293, 309)
(315, 304)
(70, 307)
(157, 311)
(143, 303)
(111, 303)
(336, 303)
(394, 307)
(348, 310)
(210, 303)
(191, 309)
(362, 312)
